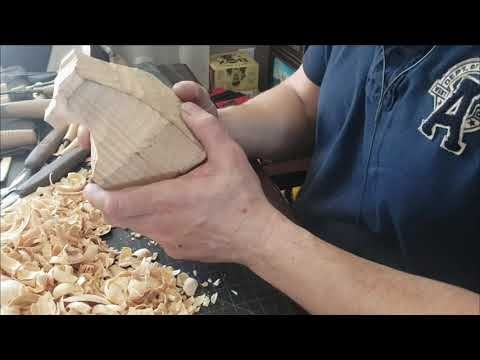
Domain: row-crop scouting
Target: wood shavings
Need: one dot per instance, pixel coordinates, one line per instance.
(107, 309)
(8, 264)
(213, 298)
(176, 272)
(217, 282)
(141, 253)
(199, 300)
(63, 274)
(81, 280)
(134, 311)
(9, 310)
(10, 289)
(79, 307)
(44, 306)
(53, 261)
(87, 298)
(66, 289)
(190, 286)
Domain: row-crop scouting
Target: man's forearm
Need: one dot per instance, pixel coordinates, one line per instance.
(273, 125)
(327, 280)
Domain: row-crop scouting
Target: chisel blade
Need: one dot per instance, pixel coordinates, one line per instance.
(8, 201)
(20, 177)
(53, 172)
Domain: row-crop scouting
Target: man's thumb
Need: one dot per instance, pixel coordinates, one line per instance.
(189, 91)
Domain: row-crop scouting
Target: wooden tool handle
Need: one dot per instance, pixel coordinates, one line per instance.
(15, 138)
(4, 167)
(30, 109)
(4, 99)
(53, 171)
(44, 149)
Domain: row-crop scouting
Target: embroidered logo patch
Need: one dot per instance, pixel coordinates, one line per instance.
(456, 106)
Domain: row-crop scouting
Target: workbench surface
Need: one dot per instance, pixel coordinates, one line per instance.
(255, 296)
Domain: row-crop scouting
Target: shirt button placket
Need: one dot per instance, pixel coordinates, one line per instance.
(389, 100)
(374, 94)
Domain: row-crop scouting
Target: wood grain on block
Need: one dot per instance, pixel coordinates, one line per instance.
(138, 135)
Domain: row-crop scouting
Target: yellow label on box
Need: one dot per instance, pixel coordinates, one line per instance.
(234, 71)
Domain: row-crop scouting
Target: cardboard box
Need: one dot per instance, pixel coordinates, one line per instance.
(235, 71)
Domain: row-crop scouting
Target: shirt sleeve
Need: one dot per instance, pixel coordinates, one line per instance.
(315, 62)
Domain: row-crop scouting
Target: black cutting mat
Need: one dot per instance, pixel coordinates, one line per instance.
(255, 296)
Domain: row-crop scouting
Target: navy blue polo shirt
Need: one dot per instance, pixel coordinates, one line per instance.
(395, 174)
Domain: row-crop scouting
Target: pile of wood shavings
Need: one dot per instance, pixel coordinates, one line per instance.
(53, 261)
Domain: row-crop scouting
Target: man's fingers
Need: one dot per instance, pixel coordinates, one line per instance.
(137, 201)
(207, 128)
(84, 137)
(122, 204)
(189, 91)
(96, 195)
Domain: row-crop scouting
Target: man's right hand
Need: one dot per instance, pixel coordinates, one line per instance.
(187, 91)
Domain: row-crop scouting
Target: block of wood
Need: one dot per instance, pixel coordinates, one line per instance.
(138, 135)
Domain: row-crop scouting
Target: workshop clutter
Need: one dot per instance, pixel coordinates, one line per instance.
(235, 71)
(223, 98)
(23, 99)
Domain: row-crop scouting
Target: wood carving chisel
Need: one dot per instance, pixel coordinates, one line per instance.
(37, 157)
(52, 172)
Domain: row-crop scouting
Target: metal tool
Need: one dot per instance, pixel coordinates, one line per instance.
(52, 172)
(37, 158)
(18, 82)
(32, 77)
(45, 87)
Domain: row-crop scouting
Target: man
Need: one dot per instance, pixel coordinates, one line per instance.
(390, 209)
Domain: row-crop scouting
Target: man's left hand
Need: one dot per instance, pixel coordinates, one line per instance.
(215, 213)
